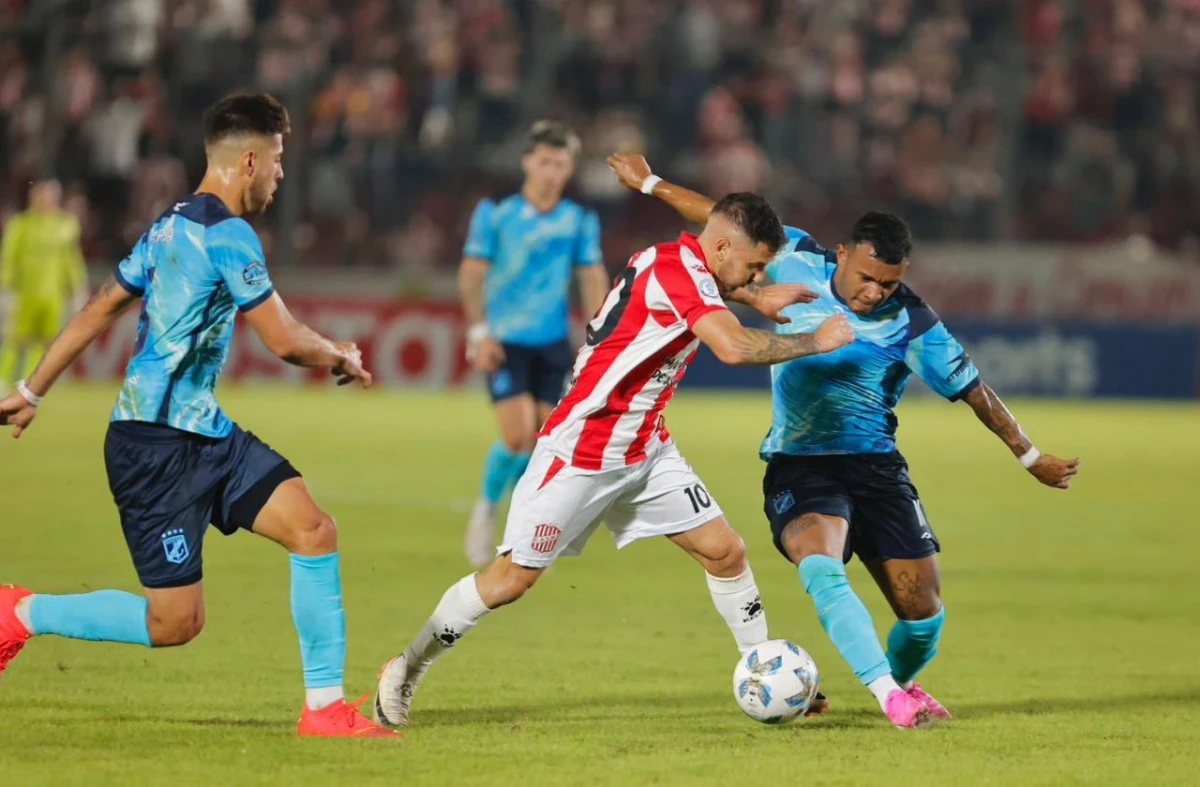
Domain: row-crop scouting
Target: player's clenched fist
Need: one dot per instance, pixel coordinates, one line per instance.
(17, 412)
(351, 368)
(1055, 472)
(835, 332)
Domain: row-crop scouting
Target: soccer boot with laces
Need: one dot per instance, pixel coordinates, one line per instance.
(341, 720)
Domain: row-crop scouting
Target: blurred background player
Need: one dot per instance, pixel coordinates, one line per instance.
(605, 452)
(515, 284)
(175, 461)
(836, 485)
(41, 271)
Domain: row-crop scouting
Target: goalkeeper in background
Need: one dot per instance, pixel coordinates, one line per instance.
(41, 269)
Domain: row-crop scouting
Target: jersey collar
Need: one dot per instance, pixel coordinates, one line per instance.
(690, 241)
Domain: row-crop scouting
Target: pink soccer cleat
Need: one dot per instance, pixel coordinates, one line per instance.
(906, 711)
(936, 708)
(13, 634)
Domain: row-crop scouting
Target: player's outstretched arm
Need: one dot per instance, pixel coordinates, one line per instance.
(100, 312)
(634, 172)
(1048, 469)
(299, 345)
(737, 345)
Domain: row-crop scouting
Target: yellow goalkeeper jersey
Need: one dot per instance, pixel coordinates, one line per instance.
(40, 258)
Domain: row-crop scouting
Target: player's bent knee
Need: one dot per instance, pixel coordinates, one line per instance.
(172, 629)
(503, 582)
(815, 534)
(314, 535)
(920, 607)
(727, 558)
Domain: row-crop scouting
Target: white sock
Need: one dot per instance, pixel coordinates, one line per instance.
(882, 687)
(22, 613)
(739, 604)
(457, 613)
(322, 697)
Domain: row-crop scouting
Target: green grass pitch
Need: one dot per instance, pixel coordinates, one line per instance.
(1070, 652)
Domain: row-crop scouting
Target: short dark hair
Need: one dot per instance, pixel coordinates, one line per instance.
(887, 232)
(554, 134)
(755, 216)
(258, 114)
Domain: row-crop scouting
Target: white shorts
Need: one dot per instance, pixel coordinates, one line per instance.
(554, 513)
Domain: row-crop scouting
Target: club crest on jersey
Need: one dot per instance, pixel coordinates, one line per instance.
(175, 546)
(783, 501)
(254, 273)
(545, 538)
(708, 288)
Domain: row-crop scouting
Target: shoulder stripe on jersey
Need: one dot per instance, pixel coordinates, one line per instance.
(164, 409)
(677, 282)
(920, 316)
(808, 244)
(203, 209)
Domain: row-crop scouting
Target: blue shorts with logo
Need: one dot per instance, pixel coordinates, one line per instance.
(539, 371)
(169, 485)
(873, 492)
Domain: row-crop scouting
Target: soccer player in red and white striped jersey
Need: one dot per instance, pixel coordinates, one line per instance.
(605, 453)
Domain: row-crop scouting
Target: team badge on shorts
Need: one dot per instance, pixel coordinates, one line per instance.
(545, 538)
(175, 546)
(783, 501)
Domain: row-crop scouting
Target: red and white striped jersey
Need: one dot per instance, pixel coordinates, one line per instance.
(638, 347)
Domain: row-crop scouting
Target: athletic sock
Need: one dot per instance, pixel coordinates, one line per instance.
(102, 616)
(882, 688)
(497, 472)
(912, 644)
(460, 609)
(321, 626)
(738, 602)
(517, 468)
(844, 617)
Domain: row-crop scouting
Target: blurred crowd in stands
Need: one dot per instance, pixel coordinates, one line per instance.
(1060, 120)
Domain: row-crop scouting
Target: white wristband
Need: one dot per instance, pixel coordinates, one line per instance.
(649, 183)
(1029, 457)
(29, 395)
(478, 332)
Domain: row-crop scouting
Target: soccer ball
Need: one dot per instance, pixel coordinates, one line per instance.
(775, 682)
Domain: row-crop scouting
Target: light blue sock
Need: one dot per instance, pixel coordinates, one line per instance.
(497, 472)
(102, 616)
(844, 617)
(912, 644)
(519, 463)
(320, 619)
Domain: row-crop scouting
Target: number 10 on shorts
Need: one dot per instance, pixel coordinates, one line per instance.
(699, 498)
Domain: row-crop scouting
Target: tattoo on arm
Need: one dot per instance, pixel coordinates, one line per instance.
(995, 416)
(755, 346)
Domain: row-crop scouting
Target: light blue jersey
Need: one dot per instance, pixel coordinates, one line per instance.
(842, 402)
(195, 266)
(532, 255)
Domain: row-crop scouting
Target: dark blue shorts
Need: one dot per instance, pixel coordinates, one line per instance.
(169, 485)
(539, 371)
(873, 492)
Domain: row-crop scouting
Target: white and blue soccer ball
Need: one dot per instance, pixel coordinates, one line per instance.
(775, 682)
